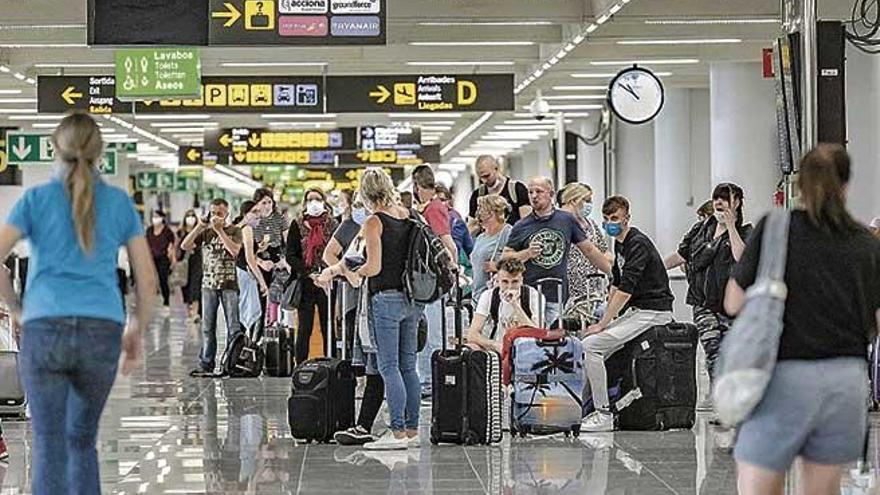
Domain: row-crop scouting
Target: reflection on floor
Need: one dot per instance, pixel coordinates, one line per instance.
(163, 432)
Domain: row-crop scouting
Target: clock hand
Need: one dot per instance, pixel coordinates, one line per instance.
(629, 90)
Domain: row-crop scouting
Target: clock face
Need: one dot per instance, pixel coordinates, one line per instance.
(636, 95)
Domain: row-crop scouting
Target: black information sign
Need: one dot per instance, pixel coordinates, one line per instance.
(190, 155)
(390, 138)
(420, 93)
(403, 157)
(233, 94)
(296, 22)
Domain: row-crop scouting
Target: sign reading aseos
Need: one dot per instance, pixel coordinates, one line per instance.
(420, 93)
(158, 73)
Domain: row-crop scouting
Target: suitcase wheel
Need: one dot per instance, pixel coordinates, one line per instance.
(576, 431)
(434, 440)
(470, 438)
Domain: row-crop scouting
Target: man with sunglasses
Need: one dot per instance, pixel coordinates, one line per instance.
(494, 182)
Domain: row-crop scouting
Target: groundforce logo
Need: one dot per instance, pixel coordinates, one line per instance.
(552, 248)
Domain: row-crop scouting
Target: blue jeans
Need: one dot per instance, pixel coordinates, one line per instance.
(432, 343)
(68, 366)
(394, 320)
(211, 300)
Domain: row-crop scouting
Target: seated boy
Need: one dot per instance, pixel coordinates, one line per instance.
(509, 305)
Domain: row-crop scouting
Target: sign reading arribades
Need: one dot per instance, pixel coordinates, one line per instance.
(420, 93)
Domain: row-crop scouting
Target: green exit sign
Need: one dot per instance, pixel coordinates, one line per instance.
(158, 73)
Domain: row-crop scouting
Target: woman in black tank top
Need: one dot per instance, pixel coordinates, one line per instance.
(393, 317)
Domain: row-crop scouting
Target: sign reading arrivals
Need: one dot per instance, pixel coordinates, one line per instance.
(297, 22)
(420, 93)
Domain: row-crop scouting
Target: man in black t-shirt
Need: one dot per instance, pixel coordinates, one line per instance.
(640, 298)
(494, 182)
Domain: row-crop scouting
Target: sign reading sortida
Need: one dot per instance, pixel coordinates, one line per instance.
(420, 93)
(143, 73)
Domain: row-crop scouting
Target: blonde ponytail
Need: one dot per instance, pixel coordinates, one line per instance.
(78, 144)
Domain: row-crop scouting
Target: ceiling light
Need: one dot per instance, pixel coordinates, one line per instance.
(36, 117)
(270, 116)
(609, 75)
(433, 122)
(521, 122)
(17, 110)
(315, 125)
(659, 61)
(19, 76)
(465, 133)
(571, 107)
(574, 97)
(443, 64)
(487, 23)
(173, 117)
(28, 27)
(536, 127)
(30, 80)
(591, 28)
(471, 43)
(43, 45)
(577, 40)
(518, 137)
(434, 115)
(41, 125)
(700, 22)
(18, 100)
(4, 69)
(580, 88)
(576, 114)
(183, 124)
(693, 41)
(615, 8)
(436, 127)
(273, 64)
(602, 19)
(63, 65)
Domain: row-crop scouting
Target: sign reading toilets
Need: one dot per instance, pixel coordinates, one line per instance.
(420, 93)
(154, 73)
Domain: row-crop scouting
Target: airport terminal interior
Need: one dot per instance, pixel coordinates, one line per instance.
(200, 101)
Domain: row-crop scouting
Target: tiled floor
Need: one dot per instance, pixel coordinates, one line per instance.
(163, 432)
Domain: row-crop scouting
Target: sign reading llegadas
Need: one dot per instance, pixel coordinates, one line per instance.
(420, 93)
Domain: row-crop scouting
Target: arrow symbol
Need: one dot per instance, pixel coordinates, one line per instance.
(225, 140)
(193, 154)
(254, 141)
(21, 149)
(239, 157)
(70, 95)
(381, 94)
(231, 14)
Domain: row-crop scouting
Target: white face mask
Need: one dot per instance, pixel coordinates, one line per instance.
(190, 221)
(157, 221)
(359, 215)
(315, 208)
(719, 216)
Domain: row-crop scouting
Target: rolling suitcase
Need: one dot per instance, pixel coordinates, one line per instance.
(13, 402)
(322, 392)
(466, 390)
(548, 380)
(278, 351)
(662, 377)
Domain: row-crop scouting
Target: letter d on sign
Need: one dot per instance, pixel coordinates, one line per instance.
(467, 93)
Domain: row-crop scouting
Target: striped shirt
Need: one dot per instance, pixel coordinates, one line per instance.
(274, 226)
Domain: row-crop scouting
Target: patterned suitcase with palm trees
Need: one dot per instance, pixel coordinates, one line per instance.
(548, 380)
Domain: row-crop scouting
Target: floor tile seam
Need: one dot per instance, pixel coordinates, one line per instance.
(476, 473)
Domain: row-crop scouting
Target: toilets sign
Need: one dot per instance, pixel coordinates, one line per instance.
(153, 73)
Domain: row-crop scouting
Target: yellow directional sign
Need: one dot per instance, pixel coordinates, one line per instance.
(231, 14)
(3, 161)
(254, 141)
(225, 140)
(193, 154)
(381, 94)
(404, 94)
(259, 15)
(70, 95)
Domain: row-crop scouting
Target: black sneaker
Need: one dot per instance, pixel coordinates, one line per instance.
(201, 373)
(354, 436)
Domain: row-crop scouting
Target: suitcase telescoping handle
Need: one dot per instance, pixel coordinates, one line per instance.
(339, 285)
(546, 281)
(457, 324)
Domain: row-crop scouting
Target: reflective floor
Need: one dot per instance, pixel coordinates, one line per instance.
(163, 432)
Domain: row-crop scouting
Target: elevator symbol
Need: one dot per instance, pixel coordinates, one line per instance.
(259, 15)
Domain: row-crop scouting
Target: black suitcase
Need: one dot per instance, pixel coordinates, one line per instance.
(278, 349)
(662, 379)
(466, 391)
(243, 357)
(322, 396)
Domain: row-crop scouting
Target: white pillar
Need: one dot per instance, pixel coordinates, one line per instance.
(863, 127)
(591, 163)
(744, 133)
(635, 173)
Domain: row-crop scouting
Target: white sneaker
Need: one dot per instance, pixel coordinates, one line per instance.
(388, 442)
(706, 405)
(414, 442)
(598, 422)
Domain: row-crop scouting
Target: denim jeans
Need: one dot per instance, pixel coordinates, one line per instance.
(432, 343)
(211, 300)
(68, 366)
(394, 321)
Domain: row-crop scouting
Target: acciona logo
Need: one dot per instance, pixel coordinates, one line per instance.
(354, 6)
(302, 6)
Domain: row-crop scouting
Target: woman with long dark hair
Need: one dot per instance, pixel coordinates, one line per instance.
(162, 243)
(72, 316)
(192, 291)
(815, 404)
(306, 241)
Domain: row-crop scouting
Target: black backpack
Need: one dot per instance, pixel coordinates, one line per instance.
(427, 273)
(243, 357)
(495, 306)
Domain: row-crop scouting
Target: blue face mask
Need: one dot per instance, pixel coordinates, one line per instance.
(587, 210)
(613, 229)
(359, 215)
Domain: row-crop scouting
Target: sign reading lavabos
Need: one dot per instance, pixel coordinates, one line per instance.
(144, 73)
(420, 93)
(297, 22)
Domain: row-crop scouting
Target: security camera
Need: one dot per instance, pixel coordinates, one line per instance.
(539, 107)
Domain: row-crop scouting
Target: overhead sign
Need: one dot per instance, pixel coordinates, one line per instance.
(233, 94)
(129, 147)
(260, 146)
(36, 149)
(154, 181)
(158, 73)
(297, 22)
(389, 138)
(190, 155)
(420, 93)
(403, 157)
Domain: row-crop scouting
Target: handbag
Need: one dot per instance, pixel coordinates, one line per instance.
(292, 296)
(749, 351)
(180, 274)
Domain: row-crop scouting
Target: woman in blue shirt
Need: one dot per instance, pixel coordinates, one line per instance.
(71, 320)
